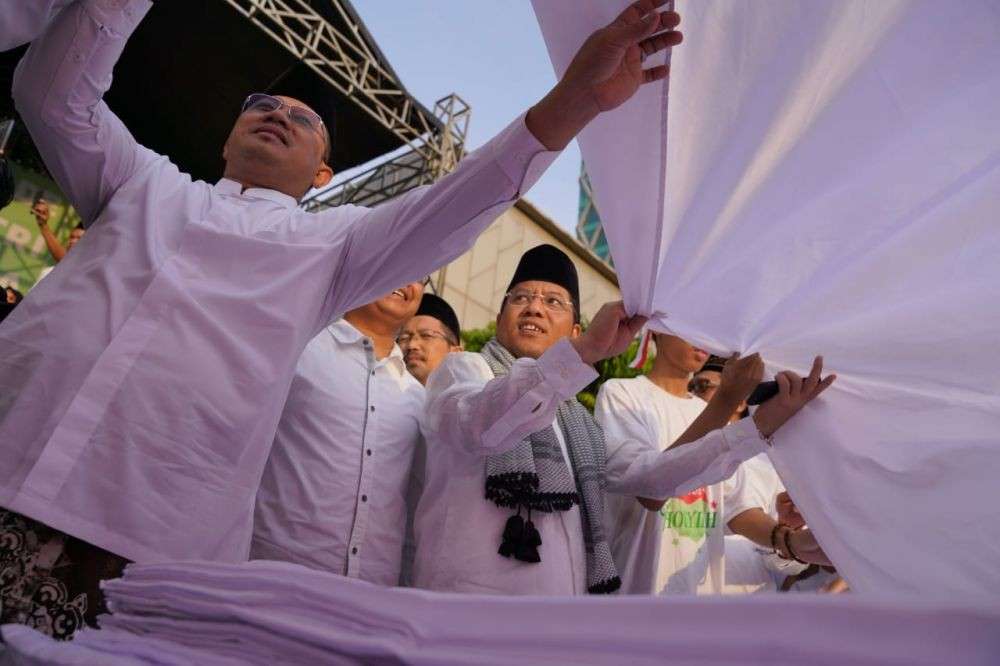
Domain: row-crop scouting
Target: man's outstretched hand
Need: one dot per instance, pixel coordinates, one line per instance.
(606, 71)
(608, 334)
(794, 393)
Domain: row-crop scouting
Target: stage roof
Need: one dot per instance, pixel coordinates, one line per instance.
(187, 69)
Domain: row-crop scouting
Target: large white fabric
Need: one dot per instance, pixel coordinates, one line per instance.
(827, 180)
(280, 613)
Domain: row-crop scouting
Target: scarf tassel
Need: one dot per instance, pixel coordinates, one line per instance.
(521, 539)
(606, 587)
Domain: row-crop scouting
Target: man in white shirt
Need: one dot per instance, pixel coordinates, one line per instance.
(333, 494)
(505, 424)
(432, 334)
(426, 339)
(142, 430)
(676, 546)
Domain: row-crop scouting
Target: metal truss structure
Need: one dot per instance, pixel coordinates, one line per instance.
(407, 170)
(338, 48)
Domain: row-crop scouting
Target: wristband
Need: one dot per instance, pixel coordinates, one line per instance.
(791, 552)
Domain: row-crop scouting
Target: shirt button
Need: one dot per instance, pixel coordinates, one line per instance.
(369, 451)
(373, 408)
(354, 551)
(364, 498)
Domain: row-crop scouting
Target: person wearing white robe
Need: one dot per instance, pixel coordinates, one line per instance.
(471, 414)
(143, 429)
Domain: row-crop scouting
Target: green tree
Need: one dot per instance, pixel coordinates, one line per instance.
(610, 368)
(474, 339)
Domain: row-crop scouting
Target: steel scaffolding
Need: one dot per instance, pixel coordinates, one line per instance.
(346, 57)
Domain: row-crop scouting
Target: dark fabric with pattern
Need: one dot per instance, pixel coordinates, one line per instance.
(50, 581)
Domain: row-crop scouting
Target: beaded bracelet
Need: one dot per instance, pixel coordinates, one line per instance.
(791, 552)
(774, 537)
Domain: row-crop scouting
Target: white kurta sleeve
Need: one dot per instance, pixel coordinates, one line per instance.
(634, 469)
(23, 20)
(470, 409)
(411, 236)
(58, 90)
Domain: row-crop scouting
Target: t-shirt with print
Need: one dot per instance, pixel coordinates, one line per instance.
(680, 548)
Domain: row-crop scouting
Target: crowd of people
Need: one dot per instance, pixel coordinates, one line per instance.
(243, 379)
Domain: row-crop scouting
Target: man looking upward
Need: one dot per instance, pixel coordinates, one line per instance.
(141, 432)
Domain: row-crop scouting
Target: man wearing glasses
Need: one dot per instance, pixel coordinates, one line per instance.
(517, 469)
(141, 431)
(429, 336)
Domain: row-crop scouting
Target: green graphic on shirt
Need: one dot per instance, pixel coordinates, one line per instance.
(690, 516)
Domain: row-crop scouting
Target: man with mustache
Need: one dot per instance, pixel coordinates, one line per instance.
(141, 432)
(429, 336)
(333, 494)
(518, 471)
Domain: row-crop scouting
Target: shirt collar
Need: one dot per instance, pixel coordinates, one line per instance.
(345, 334)
(232, 188)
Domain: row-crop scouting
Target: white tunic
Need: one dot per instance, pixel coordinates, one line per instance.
(142, 382)
(471, 415)
(333, 494)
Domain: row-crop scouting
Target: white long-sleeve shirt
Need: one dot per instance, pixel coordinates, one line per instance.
(333, 494)
(142, 381)
(471, 415)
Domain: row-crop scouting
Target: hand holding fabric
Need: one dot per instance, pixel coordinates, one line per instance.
(793, 394)
(609, 334)
(803, 543)
(740, 376)
(788, 513)
(606, 72)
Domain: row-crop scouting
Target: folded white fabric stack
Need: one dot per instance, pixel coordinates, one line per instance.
(273, 612)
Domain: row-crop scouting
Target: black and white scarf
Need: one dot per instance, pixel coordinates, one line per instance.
(533, 476)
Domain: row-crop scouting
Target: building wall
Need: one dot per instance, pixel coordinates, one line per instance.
(475, 283)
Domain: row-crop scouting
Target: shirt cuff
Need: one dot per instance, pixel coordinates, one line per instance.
(744, 439)
(564, 370)
(521, 156)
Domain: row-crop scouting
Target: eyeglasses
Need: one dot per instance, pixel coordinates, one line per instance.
(264, 103)
(703, 385)
(425, 335)
(551, 302)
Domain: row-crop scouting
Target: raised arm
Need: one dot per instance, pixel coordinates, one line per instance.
(633, 469)
(409, 237)
(483, 415)
(58, 90)
(487, 415)
(41, 212)
(23, 20)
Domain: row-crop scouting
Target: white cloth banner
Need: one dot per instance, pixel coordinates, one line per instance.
(827, 180)
(265, 613)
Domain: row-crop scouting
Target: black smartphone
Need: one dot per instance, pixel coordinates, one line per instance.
(764, 392)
